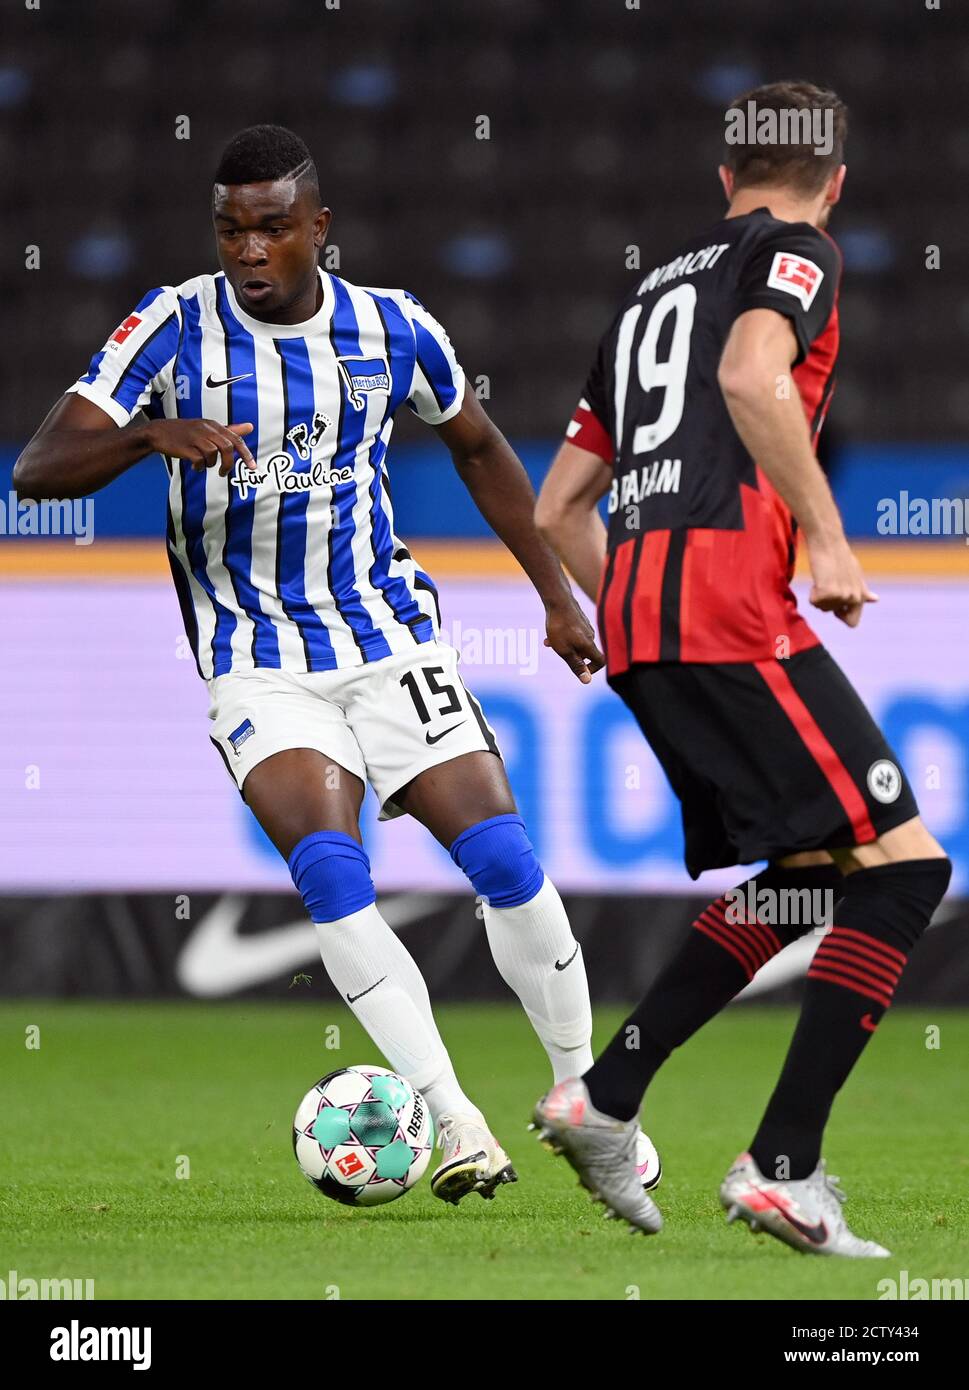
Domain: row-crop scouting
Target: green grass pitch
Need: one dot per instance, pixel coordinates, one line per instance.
(94, 1122)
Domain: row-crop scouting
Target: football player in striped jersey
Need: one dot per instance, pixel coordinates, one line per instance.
(270, 390)
(698, 421)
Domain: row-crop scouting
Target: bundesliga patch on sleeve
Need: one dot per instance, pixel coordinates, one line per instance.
(796, 275)
(123, 331)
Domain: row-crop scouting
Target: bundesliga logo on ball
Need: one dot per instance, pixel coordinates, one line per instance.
(363, 1136)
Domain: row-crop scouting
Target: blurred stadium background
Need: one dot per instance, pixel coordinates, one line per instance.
(129, 865)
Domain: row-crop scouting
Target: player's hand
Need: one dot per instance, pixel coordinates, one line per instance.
(202, 443)
(570, 635)
(839, 586)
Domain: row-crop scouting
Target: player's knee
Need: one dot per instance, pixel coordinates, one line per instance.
(498, 859)
(900, 897)
(332, 873)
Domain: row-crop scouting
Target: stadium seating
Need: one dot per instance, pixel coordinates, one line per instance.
(517, 243)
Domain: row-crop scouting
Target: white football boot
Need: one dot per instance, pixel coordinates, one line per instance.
(473, 1160)
(601, 1149)
(805, 1214)
(648, 1164)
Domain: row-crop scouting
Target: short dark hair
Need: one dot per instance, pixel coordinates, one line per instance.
(263, 153)
(798, 162)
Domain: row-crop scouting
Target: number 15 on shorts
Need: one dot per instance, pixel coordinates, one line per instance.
(441, 699)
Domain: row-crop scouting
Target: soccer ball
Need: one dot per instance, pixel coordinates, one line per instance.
(363, 1136)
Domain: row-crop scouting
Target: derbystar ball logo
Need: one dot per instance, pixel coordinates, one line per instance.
(796, 275)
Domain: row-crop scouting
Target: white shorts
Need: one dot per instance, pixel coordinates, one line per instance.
(386, 721)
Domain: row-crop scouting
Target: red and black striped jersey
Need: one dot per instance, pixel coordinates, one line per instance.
(701, 548)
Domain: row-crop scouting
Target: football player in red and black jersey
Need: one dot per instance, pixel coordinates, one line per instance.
(698, 420)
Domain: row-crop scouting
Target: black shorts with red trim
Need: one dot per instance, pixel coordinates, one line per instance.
(767, 757)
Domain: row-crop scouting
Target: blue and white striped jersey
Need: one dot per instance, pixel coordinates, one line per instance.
(295, 565)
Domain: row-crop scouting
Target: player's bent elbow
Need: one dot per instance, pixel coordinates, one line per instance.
(35, 477)
(745, 381)
(548, 519)
(24, 478)
(747, 369)
(734, 377)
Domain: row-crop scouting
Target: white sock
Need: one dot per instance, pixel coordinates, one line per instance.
(378, 977)
(526, 943)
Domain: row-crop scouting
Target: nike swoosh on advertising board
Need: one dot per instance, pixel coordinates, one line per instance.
(217, 960)
(792, 963)
(789, 964)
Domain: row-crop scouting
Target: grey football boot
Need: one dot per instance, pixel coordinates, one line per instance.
(601, 1149)
(805, 1214)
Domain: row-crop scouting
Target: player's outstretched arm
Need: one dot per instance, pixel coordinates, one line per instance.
(79, 448)
(757, 357)
(567, 513)
(502, 492)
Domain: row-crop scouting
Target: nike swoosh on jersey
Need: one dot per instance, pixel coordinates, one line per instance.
(436, 738)
(214, 385)
(352, 998)
(216, 960)
(561, 965)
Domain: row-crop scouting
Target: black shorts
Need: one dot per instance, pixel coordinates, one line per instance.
(768, 757)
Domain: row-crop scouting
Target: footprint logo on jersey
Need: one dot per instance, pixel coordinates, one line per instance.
(305, 439)
(363, 377)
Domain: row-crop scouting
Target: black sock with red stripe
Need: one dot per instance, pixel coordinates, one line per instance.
(850, 984)
(729, 942)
